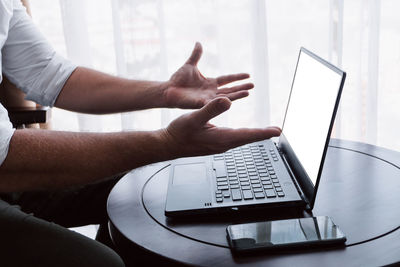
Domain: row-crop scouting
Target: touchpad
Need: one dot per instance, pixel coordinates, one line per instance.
(192, 173)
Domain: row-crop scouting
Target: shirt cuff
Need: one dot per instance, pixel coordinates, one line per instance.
(51, 80)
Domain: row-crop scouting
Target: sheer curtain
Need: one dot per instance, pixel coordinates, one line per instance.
(151, 39)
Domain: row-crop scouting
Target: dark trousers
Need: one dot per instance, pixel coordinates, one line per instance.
(33, 228)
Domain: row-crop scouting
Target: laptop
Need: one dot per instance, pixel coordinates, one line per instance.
(266, 174)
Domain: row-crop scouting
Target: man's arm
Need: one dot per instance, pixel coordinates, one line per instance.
(90, 91)
(39, 159)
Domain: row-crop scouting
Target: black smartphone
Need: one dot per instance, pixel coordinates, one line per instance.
(292, 233)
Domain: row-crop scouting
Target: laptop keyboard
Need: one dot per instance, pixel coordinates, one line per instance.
(246, 173)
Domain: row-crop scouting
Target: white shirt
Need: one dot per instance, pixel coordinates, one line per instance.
(28, 61)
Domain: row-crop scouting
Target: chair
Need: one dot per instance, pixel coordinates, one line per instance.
(23, 113)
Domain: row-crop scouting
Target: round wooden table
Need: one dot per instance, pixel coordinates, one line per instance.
(359, 189)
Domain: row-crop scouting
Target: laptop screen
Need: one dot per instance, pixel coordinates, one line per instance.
(312, 104)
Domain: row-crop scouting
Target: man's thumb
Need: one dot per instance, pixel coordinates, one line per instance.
(212, 109)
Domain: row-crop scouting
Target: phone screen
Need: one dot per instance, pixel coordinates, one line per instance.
(285, 233)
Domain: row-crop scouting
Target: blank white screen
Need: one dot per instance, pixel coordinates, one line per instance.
(310, 110)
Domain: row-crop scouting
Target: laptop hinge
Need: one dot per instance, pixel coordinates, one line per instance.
(292, 176)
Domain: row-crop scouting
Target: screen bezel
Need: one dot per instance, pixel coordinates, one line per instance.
(301, 176)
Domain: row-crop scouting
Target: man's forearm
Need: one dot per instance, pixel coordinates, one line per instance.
(39, 159)
(90, 91)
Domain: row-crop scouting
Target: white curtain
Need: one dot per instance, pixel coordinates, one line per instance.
(151, 39)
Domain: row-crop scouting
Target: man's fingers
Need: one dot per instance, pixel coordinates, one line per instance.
(228, 90)
(238, 137)
(211, 110)
(196, 54)
(222, 80)
(237, 95)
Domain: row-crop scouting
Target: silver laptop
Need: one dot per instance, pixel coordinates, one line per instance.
(265, 174)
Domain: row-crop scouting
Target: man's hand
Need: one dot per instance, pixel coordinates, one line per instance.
(188, 88)
(192, 135)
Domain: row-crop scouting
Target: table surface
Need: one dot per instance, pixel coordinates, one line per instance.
(358, 189)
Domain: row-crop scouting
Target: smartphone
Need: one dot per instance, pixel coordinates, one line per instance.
(292, 233)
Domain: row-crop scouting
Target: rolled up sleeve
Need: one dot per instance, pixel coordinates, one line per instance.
(31, 63)
(6, 132)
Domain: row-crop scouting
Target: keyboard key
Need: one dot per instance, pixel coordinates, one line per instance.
(270, 193)
(219, 167)
(247, 194)
(281, 194)
(254, 181)
(246, 187)
(259, 195)
(236, 195)
(226, 194)
(222, 183)
(244, 183)
(278, 189)
(255, 190)
(256, 185)
(268, 186)
(218, 195)
(234, 186)
(218, 157)
(223, 187)
(221, 179)
(266, 182)
(244, 179)
(219, 199)
(263, 174)
(234, 182)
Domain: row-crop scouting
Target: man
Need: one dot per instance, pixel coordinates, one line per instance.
(49, 169)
